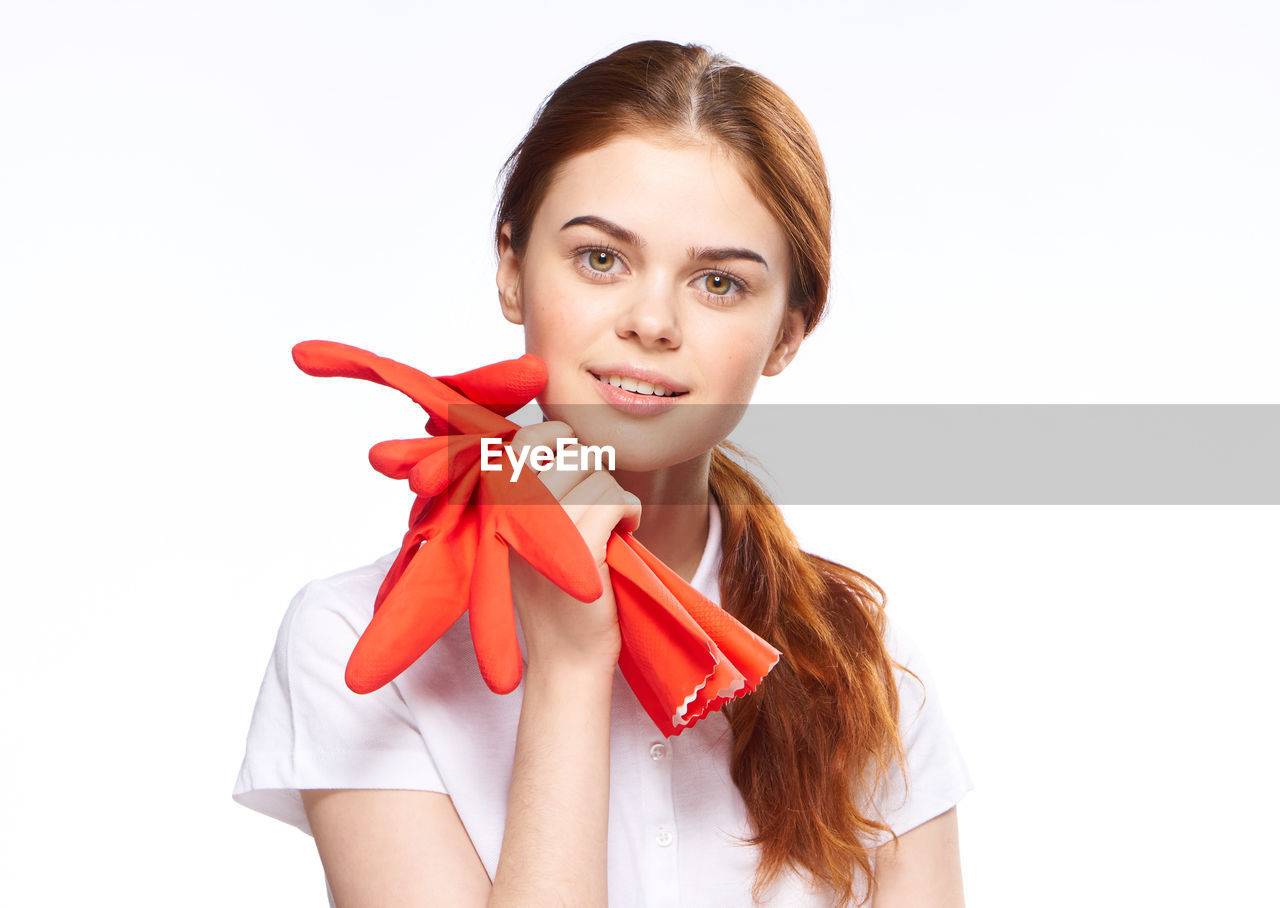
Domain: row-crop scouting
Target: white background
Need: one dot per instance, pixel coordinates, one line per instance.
(1053, 202)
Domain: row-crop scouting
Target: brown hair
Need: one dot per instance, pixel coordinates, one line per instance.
(821, 731)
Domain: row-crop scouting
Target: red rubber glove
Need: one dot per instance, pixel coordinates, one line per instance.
(682, 654)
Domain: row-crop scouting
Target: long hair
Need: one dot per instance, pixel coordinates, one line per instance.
(820, 733)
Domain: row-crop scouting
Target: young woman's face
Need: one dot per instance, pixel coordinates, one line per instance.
(650, 256)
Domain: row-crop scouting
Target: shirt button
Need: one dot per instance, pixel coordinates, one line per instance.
(658, 751)
(665, 836)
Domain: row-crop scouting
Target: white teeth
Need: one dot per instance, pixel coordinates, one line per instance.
(636, 386)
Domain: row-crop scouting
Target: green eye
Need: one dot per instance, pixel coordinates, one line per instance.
(718, 284)
(601, 259)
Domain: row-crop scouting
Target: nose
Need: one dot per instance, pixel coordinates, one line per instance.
(651, 316)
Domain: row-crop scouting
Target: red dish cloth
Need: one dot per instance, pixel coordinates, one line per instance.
(683, 655)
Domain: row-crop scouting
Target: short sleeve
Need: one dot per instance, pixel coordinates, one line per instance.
(309, 730)
(936, 776)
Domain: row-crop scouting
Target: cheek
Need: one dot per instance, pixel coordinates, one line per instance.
(742, 356)
(550, 319)
(558, 328)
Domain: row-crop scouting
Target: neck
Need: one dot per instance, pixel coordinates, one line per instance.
(673, 519)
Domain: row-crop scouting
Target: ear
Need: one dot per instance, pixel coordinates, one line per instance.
(790, 336)
(508, 278)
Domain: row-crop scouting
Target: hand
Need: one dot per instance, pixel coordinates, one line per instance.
(560, 631)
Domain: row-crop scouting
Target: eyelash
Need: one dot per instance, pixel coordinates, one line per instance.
(743, 286)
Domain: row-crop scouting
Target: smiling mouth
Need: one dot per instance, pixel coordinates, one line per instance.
(639, 393)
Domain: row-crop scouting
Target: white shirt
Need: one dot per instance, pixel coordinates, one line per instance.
(673, 810)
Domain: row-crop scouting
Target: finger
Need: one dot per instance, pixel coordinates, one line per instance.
(558, 481)
(598, 506)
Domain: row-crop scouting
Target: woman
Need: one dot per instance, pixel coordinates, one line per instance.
(663, 235)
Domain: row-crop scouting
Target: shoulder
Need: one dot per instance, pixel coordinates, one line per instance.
(910, 670)
(935, 776)
(350, 592)
(330, 611)
(309, 730)
(901, 644)
(919, 700)
(324, 622)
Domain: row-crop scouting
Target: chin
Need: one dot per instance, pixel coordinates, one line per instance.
(645, 448)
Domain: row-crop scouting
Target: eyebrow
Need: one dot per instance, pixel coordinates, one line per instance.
(704, 253)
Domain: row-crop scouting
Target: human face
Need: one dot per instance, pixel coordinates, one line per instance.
(650, 255)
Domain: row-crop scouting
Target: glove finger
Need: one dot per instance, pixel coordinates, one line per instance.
(397, 457)
(502, 387)
(327, 359)
(432, 519)
(531, 521)
(492, 615)
(435, 522)
(428, 599)
(408, 548)
(436, 472)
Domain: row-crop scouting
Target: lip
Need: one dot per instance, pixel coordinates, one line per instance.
(639, 373)
(631, 402)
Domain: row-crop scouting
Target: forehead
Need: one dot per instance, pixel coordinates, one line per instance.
(672, 195)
